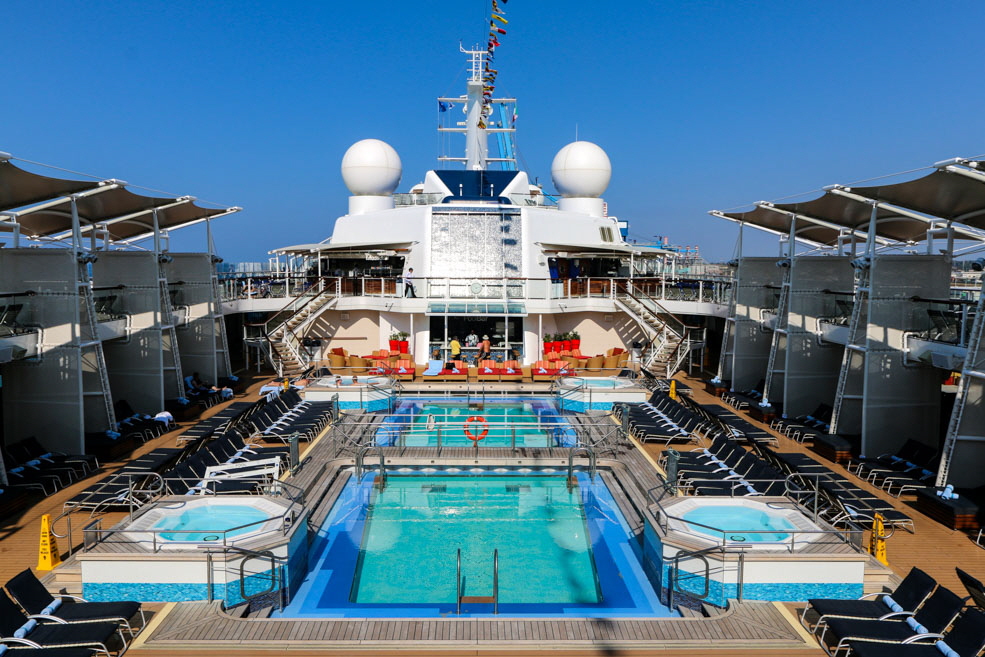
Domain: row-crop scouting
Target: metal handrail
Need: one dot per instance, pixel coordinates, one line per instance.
(675, 569)
(592, 463)
(458, 582)
(360, 456)
(275, 577)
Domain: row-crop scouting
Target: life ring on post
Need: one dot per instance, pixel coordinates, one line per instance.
(478, 419)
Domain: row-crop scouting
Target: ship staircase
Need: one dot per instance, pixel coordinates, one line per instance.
(671, 341)
(98, 401)
(285, 330)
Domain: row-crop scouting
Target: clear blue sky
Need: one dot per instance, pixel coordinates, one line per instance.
(699, 105)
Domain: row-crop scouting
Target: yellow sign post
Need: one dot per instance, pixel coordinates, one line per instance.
(48, 555)
(877, 540)
(673, 389)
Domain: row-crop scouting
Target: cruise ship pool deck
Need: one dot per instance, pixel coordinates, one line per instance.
(424, 472)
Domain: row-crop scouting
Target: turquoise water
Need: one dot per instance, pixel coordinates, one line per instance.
(502, 420)
(737, 521)
(594, 383)
(207, 523)
(416, 525)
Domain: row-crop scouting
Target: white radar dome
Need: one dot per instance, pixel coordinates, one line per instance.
(371, 168)
(581, 169)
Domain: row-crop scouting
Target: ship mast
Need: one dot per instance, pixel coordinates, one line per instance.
(476, 143)
(476, 127)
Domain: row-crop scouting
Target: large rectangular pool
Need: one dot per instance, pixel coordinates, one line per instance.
(393, 553)
(523, 423)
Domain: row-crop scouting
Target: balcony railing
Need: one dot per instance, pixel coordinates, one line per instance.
(281, 286)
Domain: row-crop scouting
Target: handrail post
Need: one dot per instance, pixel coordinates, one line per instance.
(496, 581)
(208, 575)
(458, 584)
(741, 575)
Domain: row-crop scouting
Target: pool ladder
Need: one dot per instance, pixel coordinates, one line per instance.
(476, 599)
(360, 458)
(592, 464)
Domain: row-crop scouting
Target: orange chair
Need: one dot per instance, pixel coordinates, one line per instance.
(403, 370)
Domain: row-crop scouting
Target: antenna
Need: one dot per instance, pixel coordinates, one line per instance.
(576, 132)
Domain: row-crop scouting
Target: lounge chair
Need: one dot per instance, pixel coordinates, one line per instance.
(966, 638)
(32, 595)
(915, 588)
(53, 632)
(935, 616)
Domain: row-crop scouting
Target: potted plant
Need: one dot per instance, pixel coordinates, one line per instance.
(548, 343)
(566, 342)
(558, 342)
(395, 341)
(403, 344)
(575, 340)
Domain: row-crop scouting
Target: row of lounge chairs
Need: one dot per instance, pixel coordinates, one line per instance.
(911, 468)
(41, 625)
(31, 466)
(840, 501)
(288, 414)
(727, 468)
(661, 419)
(917, 619)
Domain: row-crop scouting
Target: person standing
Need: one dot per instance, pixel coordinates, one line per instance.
(408, 285)
(471, 339)
(485, 348)
(456, 348)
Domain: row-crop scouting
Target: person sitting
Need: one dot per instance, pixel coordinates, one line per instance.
(485, 349)
(201, 386)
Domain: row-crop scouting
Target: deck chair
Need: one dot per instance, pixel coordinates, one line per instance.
(915, 588)
(32, 595)
(965, 639)
(59, 633)
(935, 616)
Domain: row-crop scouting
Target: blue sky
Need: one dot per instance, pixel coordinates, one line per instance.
(700, 105)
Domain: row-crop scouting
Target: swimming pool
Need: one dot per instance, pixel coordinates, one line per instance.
(734, 524)
(596, 382)
(209, 523)
(524, 423)
(392, 553)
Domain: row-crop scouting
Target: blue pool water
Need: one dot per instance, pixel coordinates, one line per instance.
(734, 522)
(393, 554)
(575, 382)
(207, 523)
(534, 423)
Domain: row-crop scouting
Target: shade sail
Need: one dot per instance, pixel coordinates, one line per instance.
(601, 247)
(943, 194)
(779, 222)
(168, 218)
(20, 188)
(849, 213)
(114, 203)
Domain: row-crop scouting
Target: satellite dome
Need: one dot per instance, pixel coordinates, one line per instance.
(581, 169)
(371, 168)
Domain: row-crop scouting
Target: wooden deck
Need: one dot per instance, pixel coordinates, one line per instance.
(204, 627)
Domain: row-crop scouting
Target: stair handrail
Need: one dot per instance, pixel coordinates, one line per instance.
(276, 576)
(683, 554)
(458, 582)
(291, 311)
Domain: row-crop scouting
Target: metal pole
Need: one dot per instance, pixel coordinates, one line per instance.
(741, 575)
(458, 584)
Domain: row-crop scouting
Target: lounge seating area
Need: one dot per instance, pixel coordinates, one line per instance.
(919, 619)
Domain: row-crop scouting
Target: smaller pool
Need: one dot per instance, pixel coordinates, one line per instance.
(345, 381)
(735, 524)
(209, 523)
(596, 382)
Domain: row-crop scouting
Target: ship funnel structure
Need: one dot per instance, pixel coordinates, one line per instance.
(371, 170)
(581, 172)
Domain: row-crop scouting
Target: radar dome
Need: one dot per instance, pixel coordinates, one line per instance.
(581, 169)
(371, 168)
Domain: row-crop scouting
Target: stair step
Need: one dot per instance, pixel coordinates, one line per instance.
(687, 612)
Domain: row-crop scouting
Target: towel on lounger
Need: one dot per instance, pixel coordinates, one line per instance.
(434, 368)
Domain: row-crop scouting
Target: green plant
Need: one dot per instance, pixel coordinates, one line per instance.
(574, 335)
(404, 335)
(548, 337)
(396, 335)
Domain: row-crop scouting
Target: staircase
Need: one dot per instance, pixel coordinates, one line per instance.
(670, 339)
(285, 328)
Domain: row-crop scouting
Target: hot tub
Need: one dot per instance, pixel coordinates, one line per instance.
(184, 523)
(763, 547)
(598, 393)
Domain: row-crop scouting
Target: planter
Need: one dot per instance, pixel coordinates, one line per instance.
(566, 345)
(575, 344)
(404, 346)
(394, 344)
(556, 346)
(548, 347)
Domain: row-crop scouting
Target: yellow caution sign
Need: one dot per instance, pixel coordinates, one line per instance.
(877, 539)
(48, 555)
(673, 389)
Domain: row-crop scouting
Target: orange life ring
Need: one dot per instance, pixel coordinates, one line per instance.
(482, 434)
